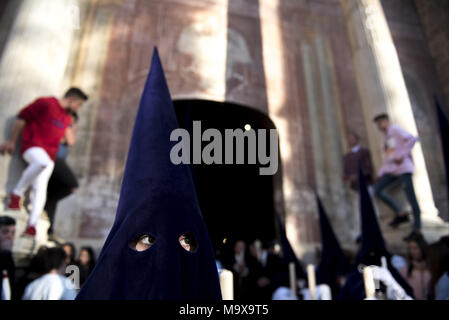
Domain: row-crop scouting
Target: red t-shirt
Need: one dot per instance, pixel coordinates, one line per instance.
(46, 122)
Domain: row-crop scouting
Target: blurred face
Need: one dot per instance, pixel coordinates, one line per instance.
(239, 247)
(383, 124)
(253, 250)
(352, 140)
(68, 251)
(414, 251)
(7, 237)
(84, 257)
(74, 104)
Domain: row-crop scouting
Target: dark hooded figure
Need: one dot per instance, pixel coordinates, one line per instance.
(158, 247)
(334, 265)
(444, 132)
(372, 249)
(288, 256)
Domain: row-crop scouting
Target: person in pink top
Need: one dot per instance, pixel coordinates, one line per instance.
(397, 167)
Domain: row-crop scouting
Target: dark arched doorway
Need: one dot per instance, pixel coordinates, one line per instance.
(237, 202)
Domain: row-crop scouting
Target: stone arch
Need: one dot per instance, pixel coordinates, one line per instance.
(259, 198)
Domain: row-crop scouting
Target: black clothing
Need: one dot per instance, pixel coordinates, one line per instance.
(61, 184)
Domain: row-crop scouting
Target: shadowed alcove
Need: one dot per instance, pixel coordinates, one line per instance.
(237, 202)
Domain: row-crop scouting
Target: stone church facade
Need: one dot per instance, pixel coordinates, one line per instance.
(318, 69)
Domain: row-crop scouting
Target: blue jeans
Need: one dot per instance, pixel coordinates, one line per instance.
(407, 183)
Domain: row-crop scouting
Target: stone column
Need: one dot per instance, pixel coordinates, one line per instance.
(435, 21)
(299, 200)
(326, 133)
(87, 70)
(32, 64)
(382, 88)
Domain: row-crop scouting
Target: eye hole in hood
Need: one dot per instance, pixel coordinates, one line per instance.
(188, 242)
(142, 243)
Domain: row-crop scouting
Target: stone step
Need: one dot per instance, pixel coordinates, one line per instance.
(432, 230)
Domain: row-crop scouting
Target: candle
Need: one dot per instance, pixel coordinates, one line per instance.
(6, 290)
(383, 261)
(227, 284)
(312, 281)
(368, 280)
(292, 272)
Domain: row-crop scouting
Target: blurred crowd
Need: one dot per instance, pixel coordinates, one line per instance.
(261, 273)
(53, 273)
(258, 268)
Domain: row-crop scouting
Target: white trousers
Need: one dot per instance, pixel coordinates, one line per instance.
(36, 175)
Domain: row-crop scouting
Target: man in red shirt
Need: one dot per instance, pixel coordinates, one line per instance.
(44, 122)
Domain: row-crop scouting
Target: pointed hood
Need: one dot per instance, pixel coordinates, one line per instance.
(444, 133)
(372, 249)
(333, 262)
(288, 255)
(157, 200)
(372, 242)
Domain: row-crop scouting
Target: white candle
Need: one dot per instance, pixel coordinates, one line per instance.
(312, 281)
(383, 261)
(227, 284)
(292, 272)
(368, 278)
(6, 290)
(384, 264)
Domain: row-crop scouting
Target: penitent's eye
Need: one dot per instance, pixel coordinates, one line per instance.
(142, 243)
(188, 242)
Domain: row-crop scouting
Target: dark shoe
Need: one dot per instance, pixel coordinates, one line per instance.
(414, 234)
(399, 220)
(403, 219)
(394, 223)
